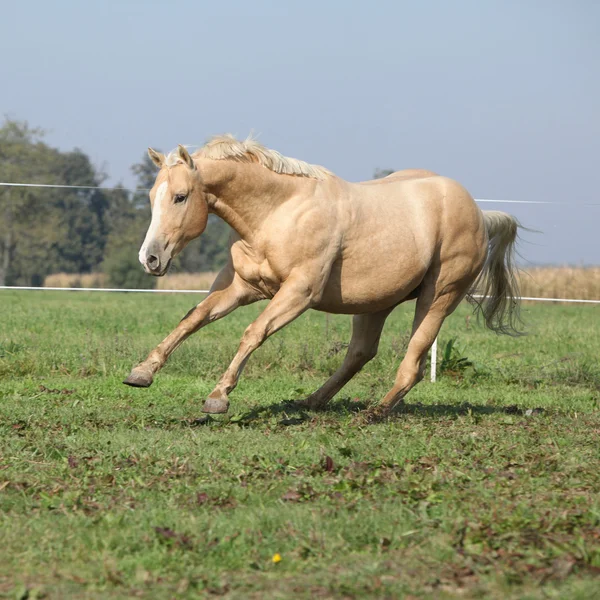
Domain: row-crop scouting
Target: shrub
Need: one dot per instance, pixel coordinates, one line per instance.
(123, 270)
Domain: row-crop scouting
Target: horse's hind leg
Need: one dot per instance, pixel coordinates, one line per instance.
(366, 331)
(432, 308)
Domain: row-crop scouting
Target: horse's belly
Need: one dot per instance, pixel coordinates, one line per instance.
(364, 291)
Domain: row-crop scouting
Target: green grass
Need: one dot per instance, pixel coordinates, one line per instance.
(485, 485)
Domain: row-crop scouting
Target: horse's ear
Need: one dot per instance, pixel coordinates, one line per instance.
(157, 158)
(184, 155)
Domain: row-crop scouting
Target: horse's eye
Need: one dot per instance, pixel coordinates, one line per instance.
(180, 198)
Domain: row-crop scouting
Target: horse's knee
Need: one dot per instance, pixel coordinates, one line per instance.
(253, 337)
(409, 375)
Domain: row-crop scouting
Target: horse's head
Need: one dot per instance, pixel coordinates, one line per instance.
(179, 210)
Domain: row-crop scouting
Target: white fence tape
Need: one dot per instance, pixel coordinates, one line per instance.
(78, 289)
(133, 191)
(579, 300)
(146, 291)
(538, 202)
(61, 186)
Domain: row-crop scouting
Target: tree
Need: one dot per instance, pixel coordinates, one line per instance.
(45, 230)
(48, 230)
(124, 270)
(210, 251)
(146, 172)
(381, 173)
(84, 214)
(23, 158)
(128, 218)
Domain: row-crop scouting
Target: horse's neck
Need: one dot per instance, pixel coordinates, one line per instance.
(244, 194)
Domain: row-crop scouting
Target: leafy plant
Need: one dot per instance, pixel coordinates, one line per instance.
(454, 363)
(9, 348)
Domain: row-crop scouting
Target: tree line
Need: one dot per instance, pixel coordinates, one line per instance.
(61, 230)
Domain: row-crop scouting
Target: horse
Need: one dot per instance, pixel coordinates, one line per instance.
(304, 238)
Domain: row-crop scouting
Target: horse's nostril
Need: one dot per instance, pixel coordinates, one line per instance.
(152, 262)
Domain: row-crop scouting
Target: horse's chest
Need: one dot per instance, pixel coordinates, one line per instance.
(257, 273)
(265, 280)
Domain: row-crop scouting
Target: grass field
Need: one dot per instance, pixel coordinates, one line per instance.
(486, 485)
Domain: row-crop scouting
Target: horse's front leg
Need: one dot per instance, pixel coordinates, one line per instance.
(227, 293)
(293, 298)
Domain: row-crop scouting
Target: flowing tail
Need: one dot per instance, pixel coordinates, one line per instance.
(496, 290)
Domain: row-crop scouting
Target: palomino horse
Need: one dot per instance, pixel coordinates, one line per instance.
(304, 238)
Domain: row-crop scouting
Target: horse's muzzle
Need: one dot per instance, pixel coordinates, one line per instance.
(154, 266)
(155, 261)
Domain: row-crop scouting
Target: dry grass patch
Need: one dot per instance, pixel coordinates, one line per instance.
(561, 282)
(548, 282)
(76, 280)
(186, 281)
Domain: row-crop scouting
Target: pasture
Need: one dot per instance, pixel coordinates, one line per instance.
(485, 484)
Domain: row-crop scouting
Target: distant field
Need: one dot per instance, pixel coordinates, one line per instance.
(550, 282)
(486, 484)
(561, 282)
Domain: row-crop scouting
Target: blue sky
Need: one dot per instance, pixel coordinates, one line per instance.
(501, 95)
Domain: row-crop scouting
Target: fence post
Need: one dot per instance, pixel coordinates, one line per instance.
(434, 360)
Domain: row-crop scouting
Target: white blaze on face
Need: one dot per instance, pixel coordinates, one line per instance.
(157, 209)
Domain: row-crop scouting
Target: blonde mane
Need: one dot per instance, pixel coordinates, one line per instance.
(226, 147)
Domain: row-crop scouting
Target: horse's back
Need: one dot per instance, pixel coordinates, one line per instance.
(432, 211)
(401, 227)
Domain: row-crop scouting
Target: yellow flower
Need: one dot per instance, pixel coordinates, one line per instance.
(276, 558)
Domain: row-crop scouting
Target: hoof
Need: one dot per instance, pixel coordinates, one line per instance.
(373, 415)
(311, 403)
(216, 406)
(139, 378)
